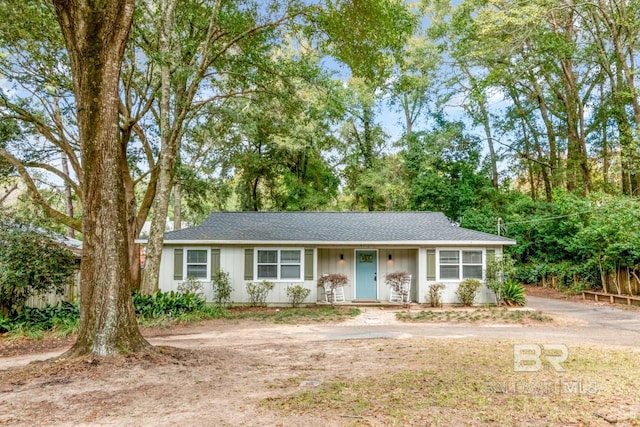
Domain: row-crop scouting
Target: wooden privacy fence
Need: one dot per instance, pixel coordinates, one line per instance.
(622, 281)
(70, 293)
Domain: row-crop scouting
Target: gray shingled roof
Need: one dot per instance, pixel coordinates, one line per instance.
(330, 227)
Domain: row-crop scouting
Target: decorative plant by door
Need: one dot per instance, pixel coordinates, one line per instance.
(330, 282)
(400, 282)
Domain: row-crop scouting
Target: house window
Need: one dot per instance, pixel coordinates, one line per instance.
(472, 265)
(197, 264)
(279, 264)
(449, 265)
(454, 262)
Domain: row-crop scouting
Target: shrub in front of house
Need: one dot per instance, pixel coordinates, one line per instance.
(435, 294)
(191, 286)
(399, 281)
(513, 293)
(498, 271)
(467, 290)
(221, 284)
(330, 282)
(258, 292)
(297, 294)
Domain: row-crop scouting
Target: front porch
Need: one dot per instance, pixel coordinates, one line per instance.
(366, 269)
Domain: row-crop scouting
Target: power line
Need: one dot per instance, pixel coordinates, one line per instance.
(549, 218)
(502, 226)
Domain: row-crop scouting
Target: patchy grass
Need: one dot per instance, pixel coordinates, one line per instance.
(477, 315)
(295, 315)
(474, 383)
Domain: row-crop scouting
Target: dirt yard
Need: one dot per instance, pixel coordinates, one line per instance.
(363, 372)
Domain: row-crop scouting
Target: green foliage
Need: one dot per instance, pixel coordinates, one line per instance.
(166, 304)
(222, 288)
(498, 271)
(377, 30)
(574, 240)
(297, 294)
(444, 170)
(467, 290)
(258, 292)
(152, 310)
(31, 262)
(435, 294)
(513, 293)
(62, 318)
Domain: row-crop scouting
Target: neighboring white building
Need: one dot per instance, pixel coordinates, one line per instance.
(291, 248)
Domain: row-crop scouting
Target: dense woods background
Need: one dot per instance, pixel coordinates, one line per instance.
(513, 117)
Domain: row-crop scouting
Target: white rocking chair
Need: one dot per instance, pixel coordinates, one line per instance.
(404, 295)
(338, 293)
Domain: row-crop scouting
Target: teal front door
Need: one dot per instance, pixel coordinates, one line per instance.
(366, 275)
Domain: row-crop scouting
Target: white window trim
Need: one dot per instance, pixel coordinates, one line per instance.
(461, 264)
(185, 257)
(278, 264)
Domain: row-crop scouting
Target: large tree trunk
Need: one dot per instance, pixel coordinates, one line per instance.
(95, 34)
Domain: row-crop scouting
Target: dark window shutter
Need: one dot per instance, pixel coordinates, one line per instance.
(308, 264)
(431, 264)
(177, 264)
(248, 264)
(215, 262)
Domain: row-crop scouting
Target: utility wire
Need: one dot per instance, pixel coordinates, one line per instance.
(549, 218)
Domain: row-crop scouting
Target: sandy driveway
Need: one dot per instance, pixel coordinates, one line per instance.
(229, 369)
(576, 323)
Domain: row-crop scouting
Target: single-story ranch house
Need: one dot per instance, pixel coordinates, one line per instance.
(297, 248)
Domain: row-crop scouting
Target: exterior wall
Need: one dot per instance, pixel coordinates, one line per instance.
(405, 260)
(484, 296)
(327, 261)
(232, 262)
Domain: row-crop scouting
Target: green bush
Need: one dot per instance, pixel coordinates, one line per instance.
(467, 290)
(258, 292)
(166, 304)
(63, 317)
(222, 288)
(5, 324)
(297, 294)
(513, 293)
(32, 262)
(499, 270)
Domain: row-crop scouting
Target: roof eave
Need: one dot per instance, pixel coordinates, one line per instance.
(339, 243)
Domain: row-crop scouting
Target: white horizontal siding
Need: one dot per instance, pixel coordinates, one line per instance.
(411, 260)
(232, 262)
